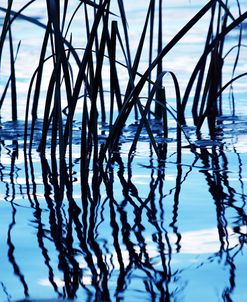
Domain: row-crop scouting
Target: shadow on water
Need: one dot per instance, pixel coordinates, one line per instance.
(122, 237)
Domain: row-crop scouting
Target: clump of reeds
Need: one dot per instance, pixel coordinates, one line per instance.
(107, 39)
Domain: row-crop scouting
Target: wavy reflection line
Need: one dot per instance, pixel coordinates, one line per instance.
(57, 229)
(125, 230)
(216, 190)
(75, 212)
(32, 195)
(5, 290)
(87, 239)
(109, 181)
(135, 259)
(231, 199)
(216, 182)
(240, 177)
(240, 210)
(94, 246)
(11, 246)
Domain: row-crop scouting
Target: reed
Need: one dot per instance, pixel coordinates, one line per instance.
(76, 81)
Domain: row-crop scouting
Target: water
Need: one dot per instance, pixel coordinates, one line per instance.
(150, 230)
(154, 232)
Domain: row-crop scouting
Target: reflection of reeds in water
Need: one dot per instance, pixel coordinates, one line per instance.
(109, 239)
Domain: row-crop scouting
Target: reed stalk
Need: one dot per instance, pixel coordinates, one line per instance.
(107, 40)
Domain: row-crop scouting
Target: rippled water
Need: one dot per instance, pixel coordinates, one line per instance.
(149, 230)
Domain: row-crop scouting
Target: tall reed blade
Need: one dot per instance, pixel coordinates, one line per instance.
(13, 79)
(159, 93)
(5, 28)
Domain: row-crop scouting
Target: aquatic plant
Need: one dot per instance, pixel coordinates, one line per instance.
(77, 77)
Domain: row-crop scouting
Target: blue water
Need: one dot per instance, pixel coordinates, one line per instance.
(148, 229)
(154, 231)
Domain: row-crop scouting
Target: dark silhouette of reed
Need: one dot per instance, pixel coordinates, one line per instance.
(107, 40)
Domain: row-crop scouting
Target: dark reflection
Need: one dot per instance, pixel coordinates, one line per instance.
(10, 197)
(223, 194)
(139, 259)
(5, 290)
(63, 244)
(115, 239)
(41, 232)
